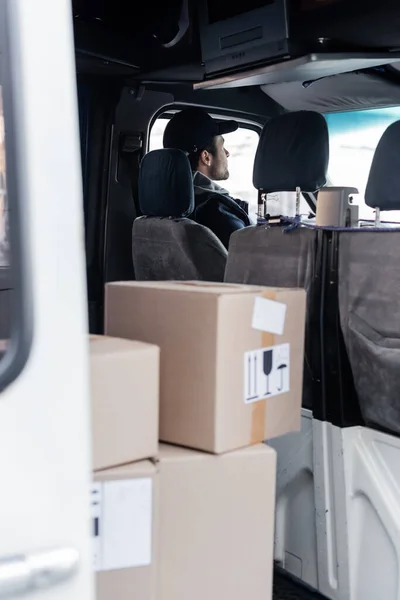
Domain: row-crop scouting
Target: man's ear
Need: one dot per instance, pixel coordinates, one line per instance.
(205, 158)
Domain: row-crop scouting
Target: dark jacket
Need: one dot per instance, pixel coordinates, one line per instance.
(217, 210)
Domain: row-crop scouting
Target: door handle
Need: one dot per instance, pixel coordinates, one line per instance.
(29, 572)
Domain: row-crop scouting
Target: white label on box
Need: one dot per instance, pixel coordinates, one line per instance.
(124, 529)
(269, 315)
(266, 373)
(95, 501)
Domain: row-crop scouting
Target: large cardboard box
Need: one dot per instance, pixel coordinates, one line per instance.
(216, 524)
(125, 398)
(189, 525)
(124, 511)
(217, 343)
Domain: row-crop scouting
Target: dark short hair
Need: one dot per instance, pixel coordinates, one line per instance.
(194, 157)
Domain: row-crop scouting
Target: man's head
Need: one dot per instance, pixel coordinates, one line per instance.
(195, 132)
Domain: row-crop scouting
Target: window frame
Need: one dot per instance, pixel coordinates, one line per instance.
(16, 275)
(245, 122)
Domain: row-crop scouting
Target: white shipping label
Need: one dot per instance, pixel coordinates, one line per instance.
(269, 315)
(266, 373)
(124, 527)
(95, 499)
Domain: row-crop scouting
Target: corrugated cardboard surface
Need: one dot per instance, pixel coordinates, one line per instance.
(137, 582)
(283, 413)
(216, 524)
(125, 399)
(204, 331)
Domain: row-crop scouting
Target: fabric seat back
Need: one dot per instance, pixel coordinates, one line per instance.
(369, 294)
(165, 243)
(293, 153)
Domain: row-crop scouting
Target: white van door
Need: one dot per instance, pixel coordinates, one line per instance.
(45, 533)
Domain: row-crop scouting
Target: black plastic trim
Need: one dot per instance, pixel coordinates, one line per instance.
(342, 407)
(314, 335)
(287, 587)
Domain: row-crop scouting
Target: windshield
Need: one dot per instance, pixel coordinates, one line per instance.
(354, 137)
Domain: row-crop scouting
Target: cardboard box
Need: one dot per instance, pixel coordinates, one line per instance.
(124, 510)
(125, 398)
(214, 340)
(216, 524)
(191, 525)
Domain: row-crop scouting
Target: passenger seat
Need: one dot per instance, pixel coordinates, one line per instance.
(293, 152)
(369, 293)
(166, 244)
(365, 475)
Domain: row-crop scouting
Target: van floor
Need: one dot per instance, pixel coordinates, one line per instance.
(288, 588)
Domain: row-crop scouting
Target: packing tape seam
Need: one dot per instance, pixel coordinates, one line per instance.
(259, 409)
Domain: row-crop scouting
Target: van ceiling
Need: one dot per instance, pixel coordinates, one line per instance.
(350, 91)
(113, 39)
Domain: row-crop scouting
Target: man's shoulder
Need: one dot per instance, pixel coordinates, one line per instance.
(206, 196)
(212, 197)
(206, 201)
(213, 206)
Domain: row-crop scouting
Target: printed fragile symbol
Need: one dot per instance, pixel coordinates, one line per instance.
(267, 367)
(280, 368)
(267, 372)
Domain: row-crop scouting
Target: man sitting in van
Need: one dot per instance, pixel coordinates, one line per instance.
(200, 136)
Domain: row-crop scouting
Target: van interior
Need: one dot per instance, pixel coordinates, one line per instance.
(284, 70)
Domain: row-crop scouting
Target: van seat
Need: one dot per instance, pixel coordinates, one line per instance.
(293, 152)
(166, 245)
(369, 293)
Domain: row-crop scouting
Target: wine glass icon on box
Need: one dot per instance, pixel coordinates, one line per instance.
(267, 372)
(267, 367)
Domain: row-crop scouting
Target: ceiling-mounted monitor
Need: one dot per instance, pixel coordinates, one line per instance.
(242, 32)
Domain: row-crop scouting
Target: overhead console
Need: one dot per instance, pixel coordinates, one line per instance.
(240, 33)
(262, 42)
(305, 69)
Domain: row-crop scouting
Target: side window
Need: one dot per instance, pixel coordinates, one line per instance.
(354, 137)
(242, 147)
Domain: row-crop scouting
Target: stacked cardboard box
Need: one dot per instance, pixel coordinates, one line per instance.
(230, 377)
(125, 400)
(125, 393)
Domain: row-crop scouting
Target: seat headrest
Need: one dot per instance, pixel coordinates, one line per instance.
(293, 151)
(383, 187)
(166, 184)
